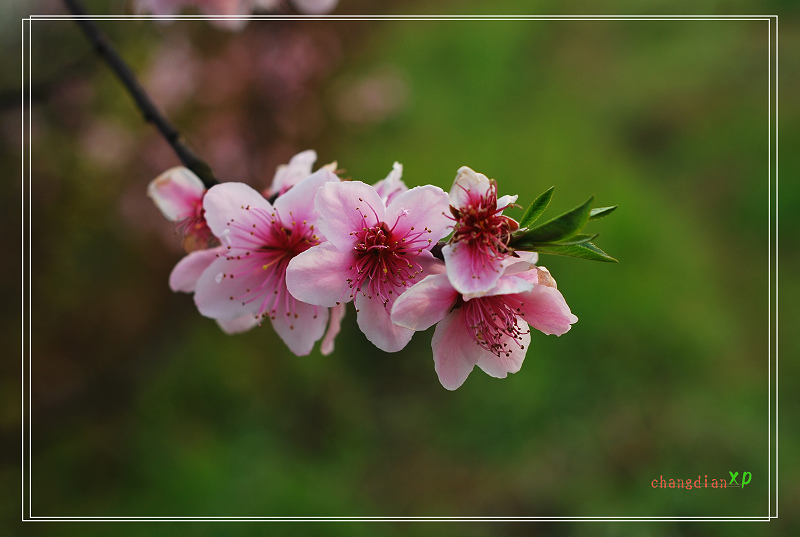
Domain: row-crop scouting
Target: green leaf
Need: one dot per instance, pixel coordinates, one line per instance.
(601, 212)
(536, 208)
(576, 239)
(561, 227)
(524, 245)
(586, 250)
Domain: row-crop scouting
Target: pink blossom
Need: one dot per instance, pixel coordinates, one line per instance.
(490, 330)
(233, 13)
(374, 253)
(259, 241)
(178, 193)
(187, 272)
(481, 233)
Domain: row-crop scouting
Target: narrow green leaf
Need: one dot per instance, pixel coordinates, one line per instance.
(576, 239)
(536, 246)
(601, 212)
(536, 208)
(561, 227)
(586, 250)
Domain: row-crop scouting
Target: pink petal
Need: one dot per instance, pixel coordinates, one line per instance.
(455, 352)
(218, 296)
(530, 257)
(546, 310)
(298, 202)
(288, 175)
(424, 304)
(231, 201)
(334, 326)
(505, 201)
(300, 325)
(430, 265)
(374, 320)
(535, 275)
(468, 185)
(392, 186)
(470, 272)
(176, 193)
(188, 270)
(506, 285)
(522, 262)
(319, 275)
(238, 325)
(421, 207)
(518, 267)
(500, 366)
(341, 205)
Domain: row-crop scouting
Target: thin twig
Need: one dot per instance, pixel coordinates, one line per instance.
(149, 110)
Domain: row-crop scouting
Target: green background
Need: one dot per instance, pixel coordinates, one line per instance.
(141, 407)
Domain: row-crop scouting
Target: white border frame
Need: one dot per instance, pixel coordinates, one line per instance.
(27, 513)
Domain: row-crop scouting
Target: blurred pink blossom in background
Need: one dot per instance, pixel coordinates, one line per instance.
(232, 13)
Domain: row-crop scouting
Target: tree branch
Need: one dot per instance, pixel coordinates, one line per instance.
(149, 110)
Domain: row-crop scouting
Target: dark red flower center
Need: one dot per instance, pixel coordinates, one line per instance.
(385, 259)
(265, 246)
(481, 224)
(494, 321)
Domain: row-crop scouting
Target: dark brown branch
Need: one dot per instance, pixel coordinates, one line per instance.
(149, 110)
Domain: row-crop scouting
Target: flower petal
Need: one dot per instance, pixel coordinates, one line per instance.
(530, 257)
(470, 272)
(546, 310)
(505, 201)
(429, 264)
(419, 208)
(468, 185)
(341, 206)
(299, 324)
(455, 352)
(176, 192)
(522, 262)
(238, 325)
(334, 326)
(288, 175)
(501, 366)
(424, 304)
(229, 201)
(319, 275)
(506, 285)
(298, 202)
(376, 323)
(218, 295)
(188, 270)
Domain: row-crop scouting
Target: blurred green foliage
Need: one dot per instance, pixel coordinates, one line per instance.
(141, 407)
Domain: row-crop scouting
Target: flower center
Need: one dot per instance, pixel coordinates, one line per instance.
(481, 223)
(385, 260)
(493, 320)
(264, 248)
